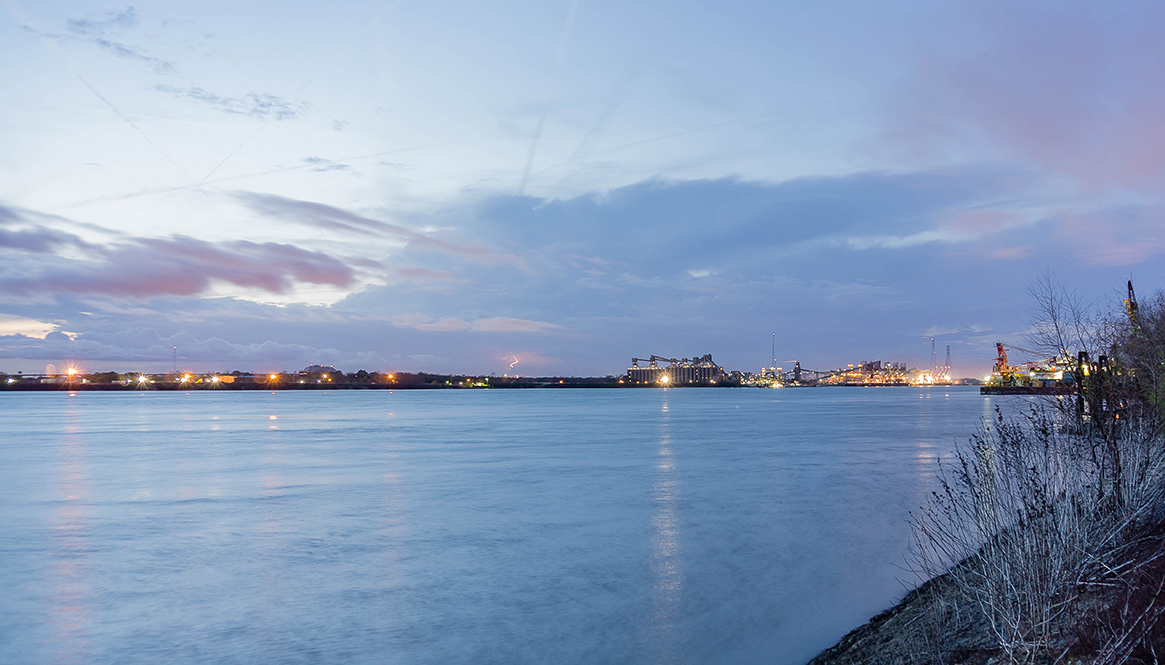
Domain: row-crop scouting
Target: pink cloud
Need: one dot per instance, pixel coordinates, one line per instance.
(1010, 253)
(319, 214)
(491, 324)
(443, 325)
(417, 274)
(1118, 236)
(182, 266)
(503, 324)
(1068, 90)
(980, 222)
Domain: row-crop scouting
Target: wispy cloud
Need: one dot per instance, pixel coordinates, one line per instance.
(25, 231)
(943, 331)
(491, 324)
(321, 164)
(902, 242)
(99, 30)
(418, 274)
(37, 240)
(122, 20)
(261, 106)
(506, 324)
(329, 217)
(121, 50)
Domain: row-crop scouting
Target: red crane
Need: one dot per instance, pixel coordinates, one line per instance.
(1001, 365)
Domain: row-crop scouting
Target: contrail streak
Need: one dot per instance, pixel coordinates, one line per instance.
(553, 94)
(23, 20)
(131, 123)
(705, 128)
(232, 153)
(248, 139)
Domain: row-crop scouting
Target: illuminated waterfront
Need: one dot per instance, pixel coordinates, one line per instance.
(704, 526)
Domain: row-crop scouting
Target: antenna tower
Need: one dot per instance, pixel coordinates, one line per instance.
(933, 358)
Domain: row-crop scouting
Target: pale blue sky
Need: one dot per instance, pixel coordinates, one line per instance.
(453, 186)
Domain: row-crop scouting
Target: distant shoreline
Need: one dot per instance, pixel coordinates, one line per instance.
(510, 385)
(99, 387)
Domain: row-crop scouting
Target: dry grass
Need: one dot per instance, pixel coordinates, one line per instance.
(1046, 540)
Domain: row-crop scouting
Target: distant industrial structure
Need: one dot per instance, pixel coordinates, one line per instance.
(1053, 374)
(677, 372)
(867, 373)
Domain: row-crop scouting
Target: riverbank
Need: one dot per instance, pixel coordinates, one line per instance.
(908, 633)
(1114, 619)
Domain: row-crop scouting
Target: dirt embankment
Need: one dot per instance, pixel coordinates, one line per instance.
(910, 632)
(1115, 620)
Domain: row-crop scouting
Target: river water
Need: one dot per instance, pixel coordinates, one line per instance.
(459, 526)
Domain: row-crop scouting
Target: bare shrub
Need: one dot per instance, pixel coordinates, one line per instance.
(1038, 516)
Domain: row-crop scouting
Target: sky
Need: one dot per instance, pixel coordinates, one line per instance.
(553, 188)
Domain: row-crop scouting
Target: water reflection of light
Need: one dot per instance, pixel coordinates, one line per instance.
(271, 535)
(667, 578)
(70, 589)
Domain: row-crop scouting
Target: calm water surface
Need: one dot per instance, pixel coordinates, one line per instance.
(519, 526)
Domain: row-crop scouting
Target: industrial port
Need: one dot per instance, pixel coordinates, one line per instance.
(654, 371)
(700, 370)
(1044, 375)
(703, 371)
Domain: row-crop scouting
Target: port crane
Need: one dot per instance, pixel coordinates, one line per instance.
(1007, 374)
(1003, 366)
(1131, 308)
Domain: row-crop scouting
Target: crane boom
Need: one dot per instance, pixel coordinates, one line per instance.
(1020, 348)
(1131, 306)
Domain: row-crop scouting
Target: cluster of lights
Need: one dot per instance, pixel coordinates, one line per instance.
(74, 374)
